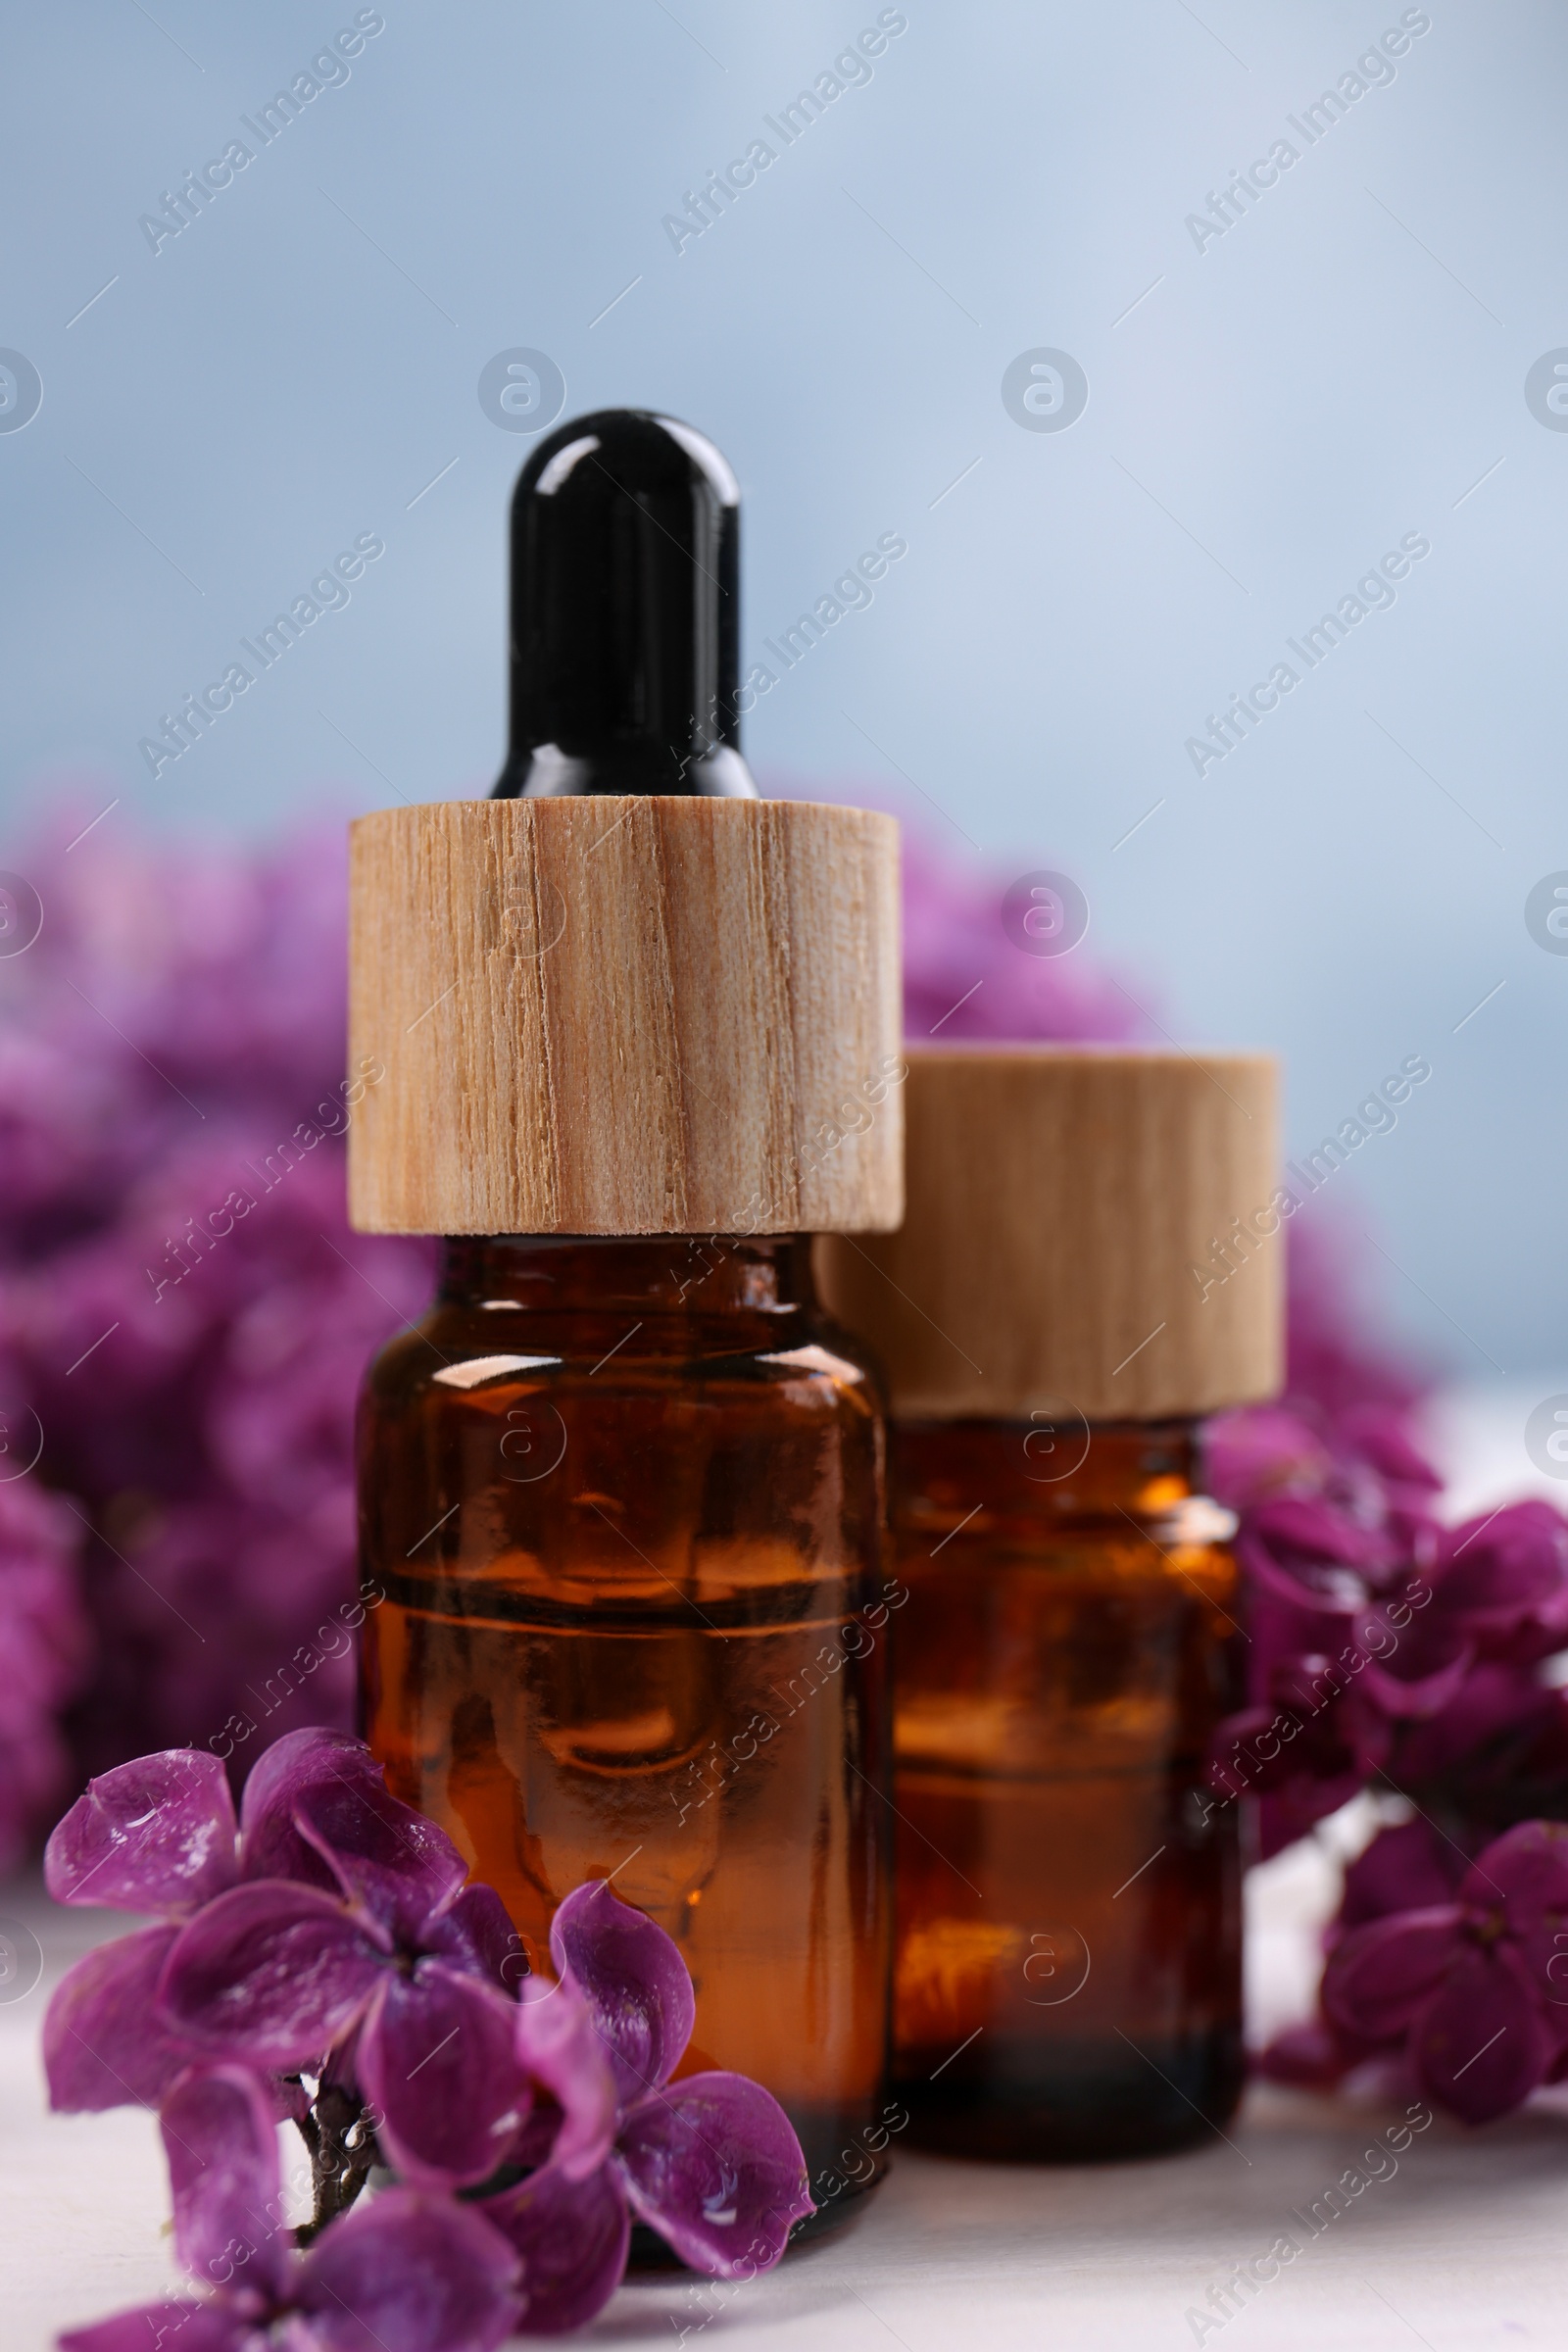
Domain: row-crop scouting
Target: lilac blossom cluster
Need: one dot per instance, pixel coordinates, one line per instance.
(45, 1642)
(184, 1316)
(1389, 1651)
(323, 1959)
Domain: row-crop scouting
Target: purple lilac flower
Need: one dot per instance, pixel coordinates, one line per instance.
(328, 1933)
(331, 1917)
(45, 1641)
(400, 1966)
(1340, 1549)
(710, 2162)
(413, 2272)
(173, 1039)
(963, 977)
(1385, 1646)
(1475, 1988)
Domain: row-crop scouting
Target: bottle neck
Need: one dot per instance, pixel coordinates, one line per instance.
(1044, 1470)
(672, 1274)
(544, 771)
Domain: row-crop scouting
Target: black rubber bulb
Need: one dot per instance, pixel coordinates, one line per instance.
(625, 613)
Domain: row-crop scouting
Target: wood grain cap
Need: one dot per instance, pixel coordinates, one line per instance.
(625, 1015)
(1059, 1201)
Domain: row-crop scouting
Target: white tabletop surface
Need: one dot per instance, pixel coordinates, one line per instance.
(1465, 2245)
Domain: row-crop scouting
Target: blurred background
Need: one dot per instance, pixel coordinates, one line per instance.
(992, 291)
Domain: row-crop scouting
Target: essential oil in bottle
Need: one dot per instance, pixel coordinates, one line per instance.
(1068, 1940)
(622, 1486)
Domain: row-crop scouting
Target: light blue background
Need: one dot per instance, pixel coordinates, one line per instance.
(1338, 369)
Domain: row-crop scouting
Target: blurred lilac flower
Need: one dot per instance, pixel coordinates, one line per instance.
(1504, 1578)
(1257, 1455)
(1407, 1867)
(413, 2272)
(1388, 1648)
(182, 1303)
(1476, 1987)
(710, 2162)
(45, 1642)
(964, 978)
(1365, 1651)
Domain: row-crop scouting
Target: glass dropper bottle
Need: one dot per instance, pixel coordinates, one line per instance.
(621, 1487)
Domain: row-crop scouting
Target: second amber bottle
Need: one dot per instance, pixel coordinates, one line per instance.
(1068, 1943)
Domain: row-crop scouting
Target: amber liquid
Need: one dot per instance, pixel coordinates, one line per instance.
(1067, 1974)
(625, 1502)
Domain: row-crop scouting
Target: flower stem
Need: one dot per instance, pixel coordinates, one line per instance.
(342, 2145)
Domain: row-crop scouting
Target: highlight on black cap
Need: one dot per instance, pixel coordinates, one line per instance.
(625, 613)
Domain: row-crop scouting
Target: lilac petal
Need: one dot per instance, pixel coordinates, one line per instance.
(1304, 1551)
(1306, 2056)
(1407, 1868)
(435, 2061)
(1379, 1975)
(271, 1844)
(183, 2327)
(574, 2237)
(153, 1835)
(291, 1764)
(1507, 1565)
(633, 1978)
(1497, 1703)
(1480, 2044)
(102, 2045)
(1526, 1870)
(270, 1973)
(393, 1862)
(410, 2272)
(475, 1934)
(1379, 1434)
(559, 2045)
(713, 2165)
(1423, 1674)
(221, 2146)
(1310, 1532)
(1252, 1455)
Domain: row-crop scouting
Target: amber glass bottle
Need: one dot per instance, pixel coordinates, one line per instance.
(623, 1502)
(622, 1490)
(1067, 1955)
(1069, 1958)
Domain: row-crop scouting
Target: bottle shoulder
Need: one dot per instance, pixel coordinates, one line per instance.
(796, 1357)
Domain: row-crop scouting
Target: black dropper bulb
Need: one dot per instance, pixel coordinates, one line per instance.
(625, 613)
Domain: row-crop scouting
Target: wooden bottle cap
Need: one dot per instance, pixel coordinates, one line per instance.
(624, 1016)
(1056, 1249)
